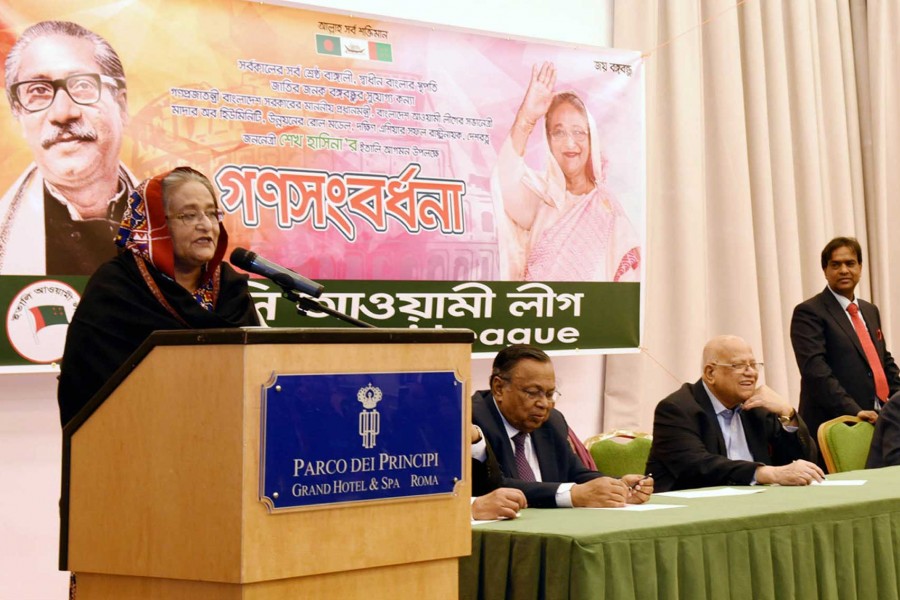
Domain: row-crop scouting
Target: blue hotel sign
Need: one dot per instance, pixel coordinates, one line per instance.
(359, 436)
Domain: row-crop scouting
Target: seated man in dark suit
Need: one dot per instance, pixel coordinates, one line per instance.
(885, 450)
(529, 437)
(724, 430)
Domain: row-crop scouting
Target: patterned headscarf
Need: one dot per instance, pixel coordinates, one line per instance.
(144, 232)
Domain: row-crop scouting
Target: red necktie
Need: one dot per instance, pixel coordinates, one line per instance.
(881, 384)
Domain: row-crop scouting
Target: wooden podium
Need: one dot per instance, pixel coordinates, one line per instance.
(161, 473)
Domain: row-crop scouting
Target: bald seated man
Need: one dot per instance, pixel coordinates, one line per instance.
(725, 429)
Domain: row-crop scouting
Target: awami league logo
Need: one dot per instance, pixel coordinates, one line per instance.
(38, 318)
(369, 418)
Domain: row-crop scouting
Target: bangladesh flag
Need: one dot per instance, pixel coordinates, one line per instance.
(335, 45)
(47, 315)
(380, 51)
(328, 44)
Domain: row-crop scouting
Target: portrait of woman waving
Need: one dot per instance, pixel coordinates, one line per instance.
(562, 224)
(169, 274)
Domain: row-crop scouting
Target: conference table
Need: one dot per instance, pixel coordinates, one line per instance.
(816, 542)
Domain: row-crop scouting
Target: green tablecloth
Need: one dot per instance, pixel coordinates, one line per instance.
(812, 542)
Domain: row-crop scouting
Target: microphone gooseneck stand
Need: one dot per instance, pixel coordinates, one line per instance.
(305, 305)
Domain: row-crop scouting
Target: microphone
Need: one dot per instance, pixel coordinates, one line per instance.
(254, 263)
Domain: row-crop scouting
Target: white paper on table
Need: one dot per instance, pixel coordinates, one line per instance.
(482, 522)
(638, 507)
(840, 482)
(728, 491)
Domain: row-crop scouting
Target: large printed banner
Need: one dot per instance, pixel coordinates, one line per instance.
(428, 178)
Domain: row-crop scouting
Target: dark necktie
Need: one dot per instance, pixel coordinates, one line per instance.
(881, 384)
(522, 466)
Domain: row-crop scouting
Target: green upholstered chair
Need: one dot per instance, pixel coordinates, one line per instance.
(620, 452)
(844, 443)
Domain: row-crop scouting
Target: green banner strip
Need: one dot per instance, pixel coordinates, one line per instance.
(554, 316)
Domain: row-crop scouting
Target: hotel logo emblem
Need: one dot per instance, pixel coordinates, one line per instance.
(369, 418)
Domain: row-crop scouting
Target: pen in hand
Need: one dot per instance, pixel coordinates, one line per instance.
(641, 480)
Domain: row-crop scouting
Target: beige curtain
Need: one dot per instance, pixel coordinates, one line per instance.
(772, 126)
(875, 27)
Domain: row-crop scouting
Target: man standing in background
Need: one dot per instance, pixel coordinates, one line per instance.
(66, 88)
(845, 367)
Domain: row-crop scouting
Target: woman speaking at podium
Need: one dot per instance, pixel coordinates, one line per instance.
(169, 274)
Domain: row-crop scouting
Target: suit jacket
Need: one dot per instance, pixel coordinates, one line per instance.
(835, 375)
(558, 462)
(486, 476)
(885, 450)
(689, 450)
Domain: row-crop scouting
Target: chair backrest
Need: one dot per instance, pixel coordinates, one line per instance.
(620, 452)
(844, 443)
